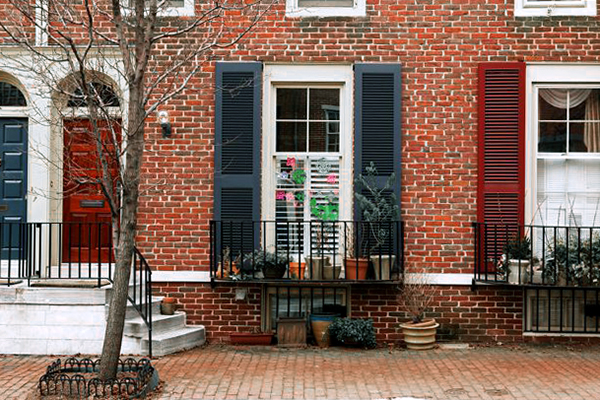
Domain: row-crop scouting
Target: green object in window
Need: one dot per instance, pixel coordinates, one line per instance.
(299, 176)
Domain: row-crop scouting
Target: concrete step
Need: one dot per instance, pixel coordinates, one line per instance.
(175, 340)
(160, 323)
(131, 312)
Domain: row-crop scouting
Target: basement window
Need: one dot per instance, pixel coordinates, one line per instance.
(551, 8)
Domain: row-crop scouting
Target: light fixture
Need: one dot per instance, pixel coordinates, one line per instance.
(165, 124)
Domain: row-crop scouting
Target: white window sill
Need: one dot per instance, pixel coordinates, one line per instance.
(578, 8)
(292, 10)
(186, 11)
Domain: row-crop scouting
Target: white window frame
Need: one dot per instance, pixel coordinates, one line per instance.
(292, 9)
(549, 8)
(275, 76)
(540, 76)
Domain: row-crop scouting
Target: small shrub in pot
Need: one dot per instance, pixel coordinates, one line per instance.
(352, 331)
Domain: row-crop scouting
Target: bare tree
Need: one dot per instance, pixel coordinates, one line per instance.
(155, 58)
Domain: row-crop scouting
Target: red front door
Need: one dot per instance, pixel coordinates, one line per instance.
(86, 212)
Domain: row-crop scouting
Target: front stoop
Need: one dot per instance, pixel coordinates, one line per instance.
(170, 333)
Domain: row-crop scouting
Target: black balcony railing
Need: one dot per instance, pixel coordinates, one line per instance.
(537, 255)
(335, 251)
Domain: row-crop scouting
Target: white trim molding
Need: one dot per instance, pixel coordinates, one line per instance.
(551, 8)
(181, 276)
(292, 9)
(440, 279)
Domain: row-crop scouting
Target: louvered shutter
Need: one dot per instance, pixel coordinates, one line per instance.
(237, 155)
(377, 121)
(501, 143)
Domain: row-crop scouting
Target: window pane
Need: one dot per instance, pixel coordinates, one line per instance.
(552, 137)
(577, 112)
(291, 136)
(324, 137)
(291, 104)
(576, 138)
(552, 104)
(11, 96)
(322, 100)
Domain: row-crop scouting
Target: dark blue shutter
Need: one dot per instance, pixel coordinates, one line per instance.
(237, 154)
(377, 121)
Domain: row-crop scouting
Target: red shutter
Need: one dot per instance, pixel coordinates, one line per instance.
(501, 188)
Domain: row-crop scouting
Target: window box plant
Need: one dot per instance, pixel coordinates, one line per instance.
(576, 263)
(353, 332)
(255, 337)
(416, 298)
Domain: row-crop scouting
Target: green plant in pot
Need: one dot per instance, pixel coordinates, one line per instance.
(318, 263)
(416, 298)
(272, 264)
(378, 207)
(515, 263)
(353, 332)
(576, 262)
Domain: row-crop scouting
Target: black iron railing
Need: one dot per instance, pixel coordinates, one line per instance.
(562, 310)
(70, 250)
(141, 295)
(336, 251)
(53, 250)
(537, 255)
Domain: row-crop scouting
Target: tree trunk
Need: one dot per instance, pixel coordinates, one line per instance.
(113, 336)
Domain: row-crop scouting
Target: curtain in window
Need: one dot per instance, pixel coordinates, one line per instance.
(558, 98)
(591, 133)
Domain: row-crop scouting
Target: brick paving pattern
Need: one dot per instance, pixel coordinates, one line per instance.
(226, 372)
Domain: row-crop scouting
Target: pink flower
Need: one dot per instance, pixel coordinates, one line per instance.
(280, 195)
(291, 162)
(336, 192)
(331, 178)
(289, 196)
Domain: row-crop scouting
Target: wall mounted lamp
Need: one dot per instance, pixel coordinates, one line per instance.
(165, 124)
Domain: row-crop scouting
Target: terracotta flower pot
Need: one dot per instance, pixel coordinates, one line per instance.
(421, 335)
(168, 306)
(297, 270)
(356, 268)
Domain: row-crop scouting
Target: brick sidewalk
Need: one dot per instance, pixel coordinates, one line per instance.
(223, 372)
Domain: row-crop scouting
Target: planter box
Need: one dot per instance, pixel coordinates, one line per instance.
(260, 339)
(291, 332)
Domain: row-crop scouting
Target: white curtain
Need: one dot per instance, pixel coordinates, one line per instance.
(558, 98)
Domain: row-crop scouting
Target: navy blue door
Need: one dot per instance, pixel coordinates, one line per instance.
(13, 188)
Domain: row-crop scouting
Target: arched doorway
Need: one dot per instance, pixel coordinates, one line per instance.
(13, 167)
(86, 211)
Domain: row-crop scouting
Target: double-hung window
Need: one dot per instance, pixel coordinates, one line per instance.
(306, 185)
(568, 155)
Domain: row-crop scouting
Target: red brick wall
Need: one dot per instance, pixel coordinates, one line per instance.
(485, 315)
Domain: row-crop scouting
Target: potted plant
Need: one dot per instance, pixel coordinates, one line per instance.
(416, 298)
(355, 267)
(577, 263)
(253, 337)
(168, 305)
(272, 264)
(378, 208)
(319, 323)
(353, 332)
(319, 264)
(516, 259)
